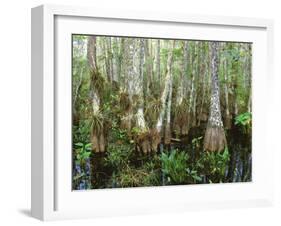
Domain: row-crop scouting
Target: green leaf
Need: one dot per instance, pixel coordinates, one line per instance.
(79, 144)
(197, 178)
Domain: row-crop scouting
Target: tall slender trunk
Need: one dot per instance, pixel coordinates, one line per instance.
(204, 73)
(180, 90)
(214, 139)
(227, 112)
(97, 134)
(128, 71)
(186, 84)
(115, 67)
(249, 73)
(148, 79)
(167, 87)
(110, 57)
(192, 87)
(140, 121)
(167, 133)
(120, 65)
(158, 68)
(181, 116)
(106, 58)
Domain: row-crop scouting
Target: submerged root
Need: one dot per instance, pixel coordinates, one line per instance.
(214, 139)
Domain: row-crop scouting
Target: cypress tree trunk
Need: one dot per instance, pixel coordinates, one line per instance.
(97, 136)
(158, 71)
(167, 87)
(214, 137)
(128, 74)
(227, 112)
(138, 86)
(181, 114)
(186, 65)
(204, 73)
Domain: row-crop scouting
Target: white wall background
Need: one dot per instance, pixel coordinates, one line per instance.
(15, 111)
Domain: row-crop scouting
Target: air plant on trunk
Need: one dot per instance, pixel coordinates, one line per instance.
(126, 111)
(96, 93)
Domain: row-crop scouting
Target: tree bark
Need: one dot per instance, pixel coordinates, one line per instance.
(167, 87)
(214, 139)
(180, 122)
(227, 112)
(158, 69)
(204, 73)
(97, 135)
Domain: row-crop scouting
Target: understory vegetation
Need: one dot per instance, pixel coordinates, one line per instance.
(151, 112)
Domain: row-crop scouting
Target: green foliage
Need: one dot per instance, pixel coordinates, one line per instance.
(125, 173)
(174, 166)
(243, 119)
(136, 131)
(177, 53)
(81, 133)
(82, 152)
(177, 170)
(81, 172)
(118, 155)
(214, 164)
(193, 176)
(197, 142)
(132, 177)
(153, 172)
(121, 165)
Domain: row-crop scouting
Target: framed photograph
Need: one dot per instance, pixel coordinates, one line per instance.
(137, 112)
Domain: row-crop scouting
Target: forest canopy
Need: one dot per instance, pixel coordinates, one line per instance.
(154, 112)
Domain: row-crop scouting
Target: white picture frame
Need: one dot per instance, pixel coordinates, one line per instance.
(52, 197)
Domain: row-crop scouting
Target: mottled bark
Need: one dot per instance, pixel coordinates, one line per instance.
(215, 137)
